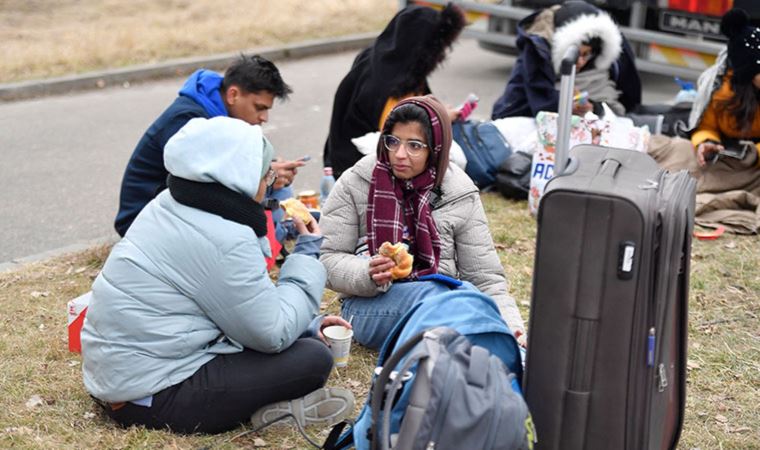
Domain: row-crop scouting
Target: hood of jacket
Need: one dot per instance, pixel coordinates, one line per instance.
(538, 28)
(581, 29)
(220, 150)
(441, 144)
(396, 65)
(204, 87)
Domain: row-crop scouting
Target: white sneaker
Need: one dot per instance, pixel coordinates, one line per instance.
(325, 406)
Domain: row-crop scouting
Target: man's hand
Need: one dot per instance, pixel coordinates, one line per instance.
(286, 171)
(705, 151)
(380, 269)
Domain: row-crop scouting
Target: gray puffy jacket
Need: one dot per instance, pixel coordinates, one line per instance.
(467, 250)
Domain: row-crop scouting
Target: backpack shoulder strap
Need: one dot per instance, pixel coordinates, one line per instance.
(337, 440)
(378, 387)
(434, 339)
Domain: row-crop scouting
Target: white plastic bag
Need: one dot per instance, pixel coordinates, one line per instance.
(520, 133)
(542, 167)
(622, 133)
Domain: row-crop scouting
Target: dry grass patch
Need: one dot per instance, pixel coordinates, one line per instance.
(50, 38)
(723, 376)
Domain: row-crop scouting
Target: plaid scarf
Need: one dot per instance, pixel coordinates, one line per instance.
(395, 203)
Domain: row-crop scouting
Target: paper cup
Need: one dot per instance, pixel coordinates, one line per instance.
(339, 338)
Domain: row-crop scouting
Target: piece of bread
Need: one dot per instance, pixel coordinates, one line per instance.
(399, 254)
(294, 208)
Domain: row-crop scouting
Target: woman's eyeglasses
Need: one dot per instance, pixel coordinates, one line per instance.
(413, 147)
(271, 177)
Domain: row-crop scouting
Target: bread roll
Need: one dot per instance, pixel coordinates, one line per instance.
(294, 208)
(399, 254)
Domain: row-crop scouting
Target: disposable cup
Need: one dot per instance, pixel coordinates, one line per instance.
(339, 338)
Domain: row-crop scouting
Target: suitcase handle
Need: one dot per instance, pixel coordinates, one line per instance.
(569, 60)
(565, 109)
(609, 167)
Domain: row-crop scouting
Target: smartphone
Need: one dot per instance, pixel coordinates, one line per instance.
(736, 149)
(581, 97)
(466, 108)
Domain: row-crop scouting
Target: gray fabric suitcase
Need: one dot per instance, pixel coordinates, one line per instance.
(606, 360)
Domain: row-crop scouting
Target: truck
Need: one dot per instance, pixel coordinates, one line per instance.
(669, 37)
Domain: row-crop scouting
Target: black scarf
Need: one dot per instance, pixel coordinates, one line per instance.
(218, 199)
(396, 65)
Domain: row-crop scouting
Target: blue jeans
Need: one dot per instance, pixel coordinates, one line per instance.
(375, 317)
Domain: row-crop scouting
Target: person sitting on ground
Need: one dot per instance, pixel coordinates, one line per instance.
(247, 92)
(408, 193)
(732, 110)
(185, 329)
(725, 112)
(396, 66)
(605, 68)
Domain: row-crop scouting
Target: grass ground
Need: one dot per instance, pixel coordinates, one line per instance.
(43, 403)
(45, 38)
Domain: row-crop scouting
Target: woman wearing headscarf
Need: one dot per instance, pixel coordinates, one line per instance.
(394, 67)
(605, 68)
(408, 193)
(185, 329)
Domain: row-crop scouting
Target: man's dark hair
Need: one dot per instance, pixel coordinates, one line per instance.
(255, 73)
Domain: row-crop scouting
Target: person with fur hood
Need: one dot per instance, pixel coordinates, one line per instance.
(605, 68)
(396, 66)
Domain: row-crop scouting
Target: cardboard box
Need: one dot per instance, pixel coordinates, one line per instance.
(77, 309)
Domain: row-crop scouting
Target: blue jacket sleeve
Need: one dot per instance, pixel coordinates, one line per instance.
(240, 298)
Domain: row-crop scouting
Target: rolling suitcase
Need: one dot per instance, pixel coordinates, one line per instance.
(606, 362)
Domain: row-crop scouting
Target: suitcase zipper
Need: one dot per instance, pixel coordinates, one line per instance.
(655, 186)
(674, 254)
(662, 378)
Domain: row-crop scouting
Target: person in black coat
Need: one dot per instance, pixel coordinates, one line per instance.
(394, 67)
(605, 69)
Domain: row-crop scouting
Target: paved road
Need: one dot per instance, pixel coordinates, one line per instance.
(63, 157)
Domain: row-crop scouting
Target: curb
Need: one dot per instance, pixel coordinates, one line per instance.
(175, 67)
(19, 263)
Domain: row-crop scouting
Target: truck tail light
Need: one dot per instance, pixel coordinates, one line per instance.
(706, 7)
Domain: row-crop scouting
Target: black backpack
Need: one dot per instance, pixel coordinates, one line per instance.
(513, 176)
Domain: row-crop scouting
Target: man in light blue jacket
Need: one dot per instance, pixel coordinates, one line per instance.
(185, 328)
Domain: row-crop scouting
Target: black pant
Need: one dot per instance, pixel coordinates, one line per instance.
(227, 390)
